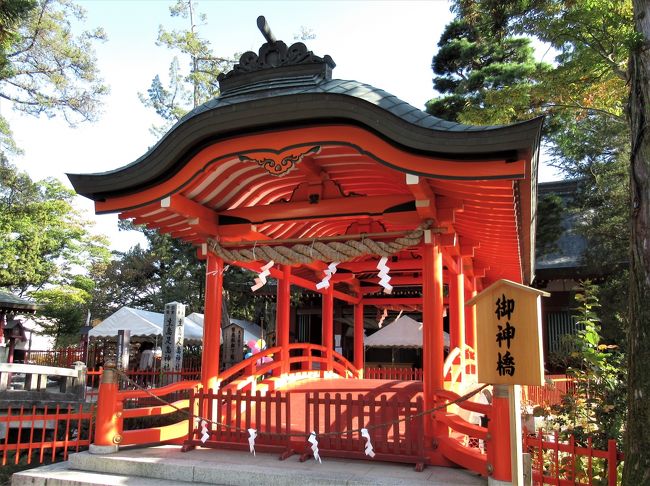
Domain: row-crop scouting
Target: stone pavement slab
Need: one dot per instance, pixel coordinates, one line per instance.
(166, 465)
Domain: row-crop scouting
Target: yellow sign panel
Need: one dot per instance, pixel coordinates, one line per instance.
(509, 334)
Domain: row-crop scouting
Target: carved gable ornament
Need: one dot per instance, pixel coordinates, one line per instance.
(277, 163)
(275, 60)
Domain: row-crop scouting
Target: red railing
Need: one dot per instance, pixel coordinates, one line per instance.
(565, 463)
(395, 427)
(402, 374)
(467, 442)
(303, 357)
(231, 414)
(45, 434)
(63, 358)
(551, 393)
(141, 400)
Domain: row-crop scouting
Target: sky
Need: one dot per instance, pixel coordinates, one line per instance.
(384, 43)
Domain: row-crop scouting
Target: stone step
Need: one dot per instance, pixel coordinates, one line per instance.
(167, 465)
(61, 474)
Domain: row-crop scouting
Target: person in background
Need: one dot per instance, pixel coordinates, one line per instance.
(146, 361)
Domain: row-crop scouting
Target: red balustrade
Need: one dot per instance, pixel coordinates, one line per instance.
(45, 434)
(565, 462)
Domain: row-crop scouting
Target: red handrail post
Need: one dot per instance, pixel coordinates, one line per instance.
(328, 327)
(282, 319)
(108, 428)
(612, 462)
(498, 446)
(358, 338)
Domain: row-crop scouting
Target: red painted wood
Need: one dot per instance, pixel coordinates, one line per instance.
(470, 318)
(328, 324)
(457, 306)
(359, 356)
(212, 321)
(499, 445)
(283, 316)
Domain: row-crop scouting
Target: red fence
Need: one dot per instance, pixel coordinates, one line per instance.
(402, 374)
(230, 415)
(395, 426)
(550, 393)
(63, 358)
(45, 434)
(565, 463)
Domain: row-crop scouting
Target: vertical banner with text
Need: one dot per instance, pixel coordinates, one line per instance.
(173, 336)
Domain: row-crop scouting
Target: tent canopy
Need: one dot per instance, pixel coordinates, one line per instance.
(404, 332)
(144, 324)
(148, 325)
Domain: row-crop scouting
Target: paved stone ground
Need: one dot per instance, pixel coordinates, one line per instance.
(167, 466)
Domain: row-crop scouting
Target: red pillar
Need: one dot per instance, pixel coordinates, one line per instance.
(328, 325)
(108, 423)
(283, 316)
(457, 307)
(212, 322)
(470, 319)
(358, 338)
(498, 448)
(432, 330)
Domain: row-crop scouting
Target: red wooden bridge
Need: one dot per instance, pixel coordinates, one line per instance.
(321, 394)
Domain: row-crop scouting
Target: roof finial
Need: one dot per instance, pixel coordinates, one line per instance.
(263, 25)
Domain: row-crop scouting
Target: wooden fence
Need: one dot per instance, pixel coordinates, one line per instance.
(565, 463)
(230, 415)
(402, 374)
(395, 426)
(64, 357)
(551, 393)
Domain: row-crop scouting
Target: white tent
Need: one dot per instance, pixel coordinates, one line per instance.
(401, 333)
(144, 324)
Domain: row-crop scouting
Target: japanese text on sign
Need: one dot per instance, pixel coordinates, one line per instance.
(505, 335)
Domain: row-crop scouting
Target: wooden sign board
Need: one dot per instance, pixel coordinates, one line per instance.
(509, 334)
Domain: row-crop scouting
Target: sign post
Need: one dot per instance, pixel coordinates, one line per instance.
(173, 337)
(509, 354)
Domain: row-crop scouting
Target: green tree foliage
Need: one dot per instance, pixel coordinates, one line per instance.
(167, 270)
(597, 408)
(43, 239)
(185, 91)
(583, 97)
(63, 311)
(45, 68)
(549, 223)
(11, 13)
(478, 67)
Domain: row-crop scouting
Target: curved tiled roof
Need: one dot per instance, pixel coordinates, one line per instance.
(308, 100)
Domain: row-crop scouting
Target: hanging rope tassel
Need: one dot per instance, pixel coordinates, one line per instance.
(252, 434)
(205, 434)
(369, 450)
(383, 275)
(314, 446)
(260, 280)
(329, 271)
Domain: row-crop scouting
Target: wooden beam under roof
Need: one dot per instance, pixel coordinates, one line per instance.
(326, 208)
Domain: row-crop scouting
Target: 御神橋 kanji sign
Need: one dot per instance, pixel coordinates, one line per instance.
(509, 336)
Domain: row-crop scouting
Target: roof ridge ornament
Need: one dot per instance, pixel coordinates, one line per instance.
(297, 60)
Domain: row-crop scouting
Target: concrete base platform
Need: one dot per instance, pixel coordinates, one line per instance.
(167, 466)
